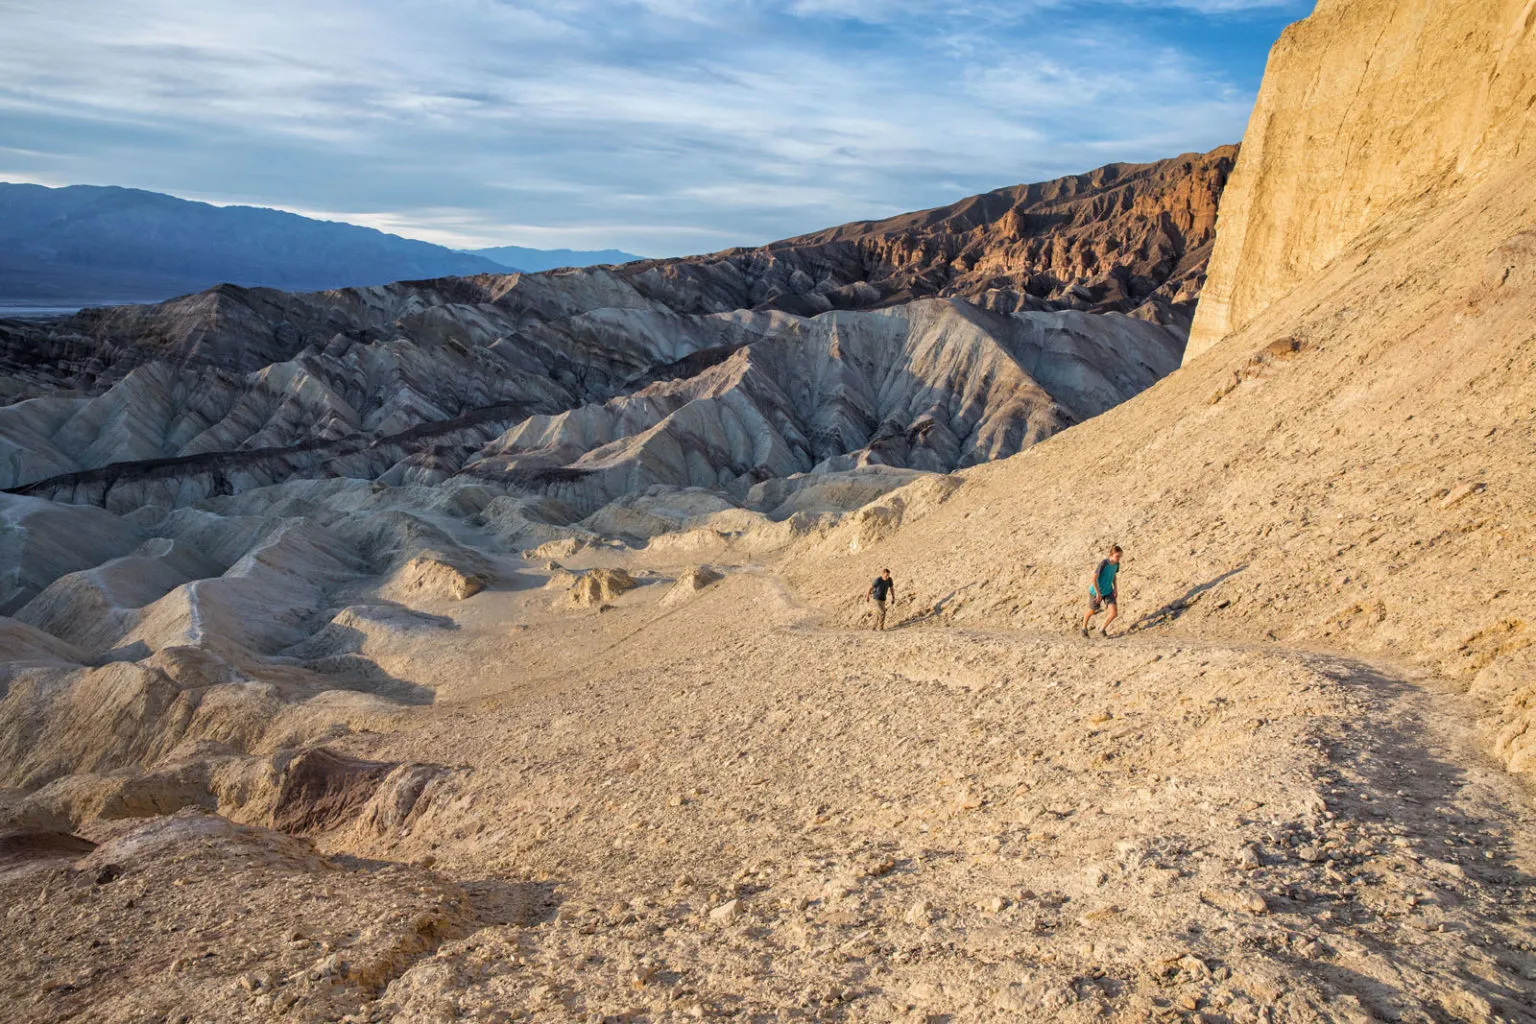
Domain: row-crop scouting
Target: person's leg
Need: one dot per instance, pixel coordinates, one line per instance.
(1114, 611)
(879, 615)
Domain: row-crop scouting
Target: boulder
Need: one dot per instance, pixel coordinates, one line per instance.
(596, 587)
(425, 578)
(689, 582)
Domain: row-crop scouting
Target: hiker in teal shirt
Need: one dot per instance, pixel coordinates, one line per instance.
(1104, 591)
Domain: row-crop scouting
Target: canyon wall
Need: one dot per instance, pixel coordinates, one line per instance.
(1367, 106)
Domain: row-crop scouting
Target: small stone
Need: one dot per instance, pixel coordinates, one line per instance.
(109, 873)
(923, 994)
(1014, 999)
(1095, 875)
(1056, 997)
(726, 912)
(997, 904)
(1101, 914)
(1309, 853)
(1460, 493)
(1445, 868)
(1193, 966)
(1248, 858)
(919, 913)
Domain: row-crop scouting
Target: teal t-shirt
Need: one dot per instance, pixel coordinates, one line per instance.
(1104, 583)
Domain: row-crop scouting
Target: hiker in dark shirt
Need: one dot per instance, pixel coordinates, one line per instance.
(1104, 591)
(879, 591)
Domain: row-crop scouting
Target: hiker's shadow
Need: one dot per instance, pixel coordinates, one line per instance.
(934, 611)
(1171, 611)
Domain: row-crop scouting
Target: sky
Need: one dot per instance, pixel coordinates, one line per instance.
(661, 127)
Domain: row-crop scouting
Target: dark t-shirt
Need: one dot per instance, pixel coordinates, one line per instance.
(882, 587)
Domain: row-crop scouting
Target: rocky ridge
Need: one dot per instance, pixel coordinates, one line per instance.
(237, 388)
(1126, 238)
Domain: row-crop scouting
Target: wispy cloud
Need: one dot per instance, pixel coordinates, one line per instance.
(654, 125)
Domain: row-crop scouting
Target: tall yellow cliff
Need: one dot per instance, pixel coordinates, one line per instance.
(1366, 106)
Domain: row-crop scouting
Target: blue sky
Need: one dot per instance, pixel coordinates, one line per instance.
(657, 126)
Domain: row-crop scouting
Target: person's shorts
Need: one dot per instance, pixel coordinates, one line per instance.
(1095, 602)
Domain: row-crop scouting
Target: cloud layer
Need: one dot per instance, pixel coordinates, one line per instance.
(658, 126)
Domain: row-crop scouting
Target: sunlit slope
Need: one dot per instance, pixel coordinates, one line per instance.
(1352, 469)
(1367, 108)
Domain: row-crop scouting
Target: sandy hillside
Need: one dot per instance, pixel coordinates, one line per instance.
(382, 768)
(1352, 469)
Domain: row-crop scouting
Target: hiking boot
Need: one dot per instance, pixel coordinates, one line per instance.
(1084, 631)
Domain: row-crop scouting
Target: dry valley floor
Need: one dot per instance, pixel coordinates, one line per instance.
(713, 804)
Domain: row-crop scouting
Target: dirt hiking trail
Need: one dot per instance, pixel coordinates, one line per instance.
(978, 824)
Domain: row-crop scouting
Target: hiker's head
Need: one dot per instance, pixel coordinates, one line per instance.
(885, 574)
(1114, 552)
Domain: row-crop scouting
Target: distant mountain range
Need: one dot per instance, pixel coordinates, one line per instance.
(89, 245)
(534, 260)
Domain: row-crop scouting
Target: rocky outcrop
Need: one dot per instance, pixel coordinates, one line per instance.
(689, 583)
(1127, 238)
(430, 577)
(1366, 108)
(594, 587)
